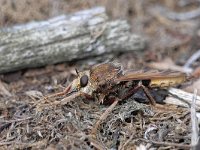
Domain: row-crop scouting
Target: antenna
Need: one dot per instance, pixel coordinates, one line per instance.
(77, 72)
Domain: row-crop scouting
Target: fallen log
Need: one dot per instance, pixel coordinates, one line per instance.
(65, 38)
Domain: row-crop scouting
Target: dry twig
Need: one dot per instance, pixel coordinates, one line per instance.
(191, 60)
(181, 98)
(195, 129)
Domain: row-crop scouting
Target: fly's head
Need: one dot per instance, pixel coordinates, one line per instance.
(82, 83)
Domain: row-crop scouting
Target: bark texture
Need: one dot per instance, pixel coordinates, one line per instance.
(65, 38)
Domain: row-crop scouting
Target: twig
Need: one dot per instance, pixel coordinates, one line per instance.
(191, 60)
(3, 90)
(127, 141)
(183, 3)
(6, 143)
(195, 129)
(150, 128)
(96, 144)
(183, 98)
(178, 16)
(17, 120)
(167, 143)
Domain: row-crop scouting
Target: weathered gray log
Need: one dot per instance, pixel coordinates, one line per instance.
(69, 37)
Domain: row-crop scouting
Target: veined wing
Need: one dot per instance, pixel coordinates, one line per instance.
(155, 78)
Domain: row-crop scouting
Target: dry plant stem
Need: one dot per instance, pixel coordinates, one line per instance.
(104, 116)
(191, 60)
(184, 146)
(161, 118)
(184, 3)
(96, 144)
(195, 130)
(4, 90)
(17, 120)
(178, 16)
(6, 143)
(126, 143)
(183, 98)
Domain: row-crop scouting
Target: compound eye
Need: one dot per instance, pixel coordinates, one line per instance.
(84, 80)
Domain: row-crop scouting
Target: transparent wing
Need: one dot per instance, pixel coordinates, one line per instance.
(156, 78)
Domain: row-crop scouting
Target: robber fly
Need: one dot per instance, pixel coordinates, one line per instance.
(108, 82)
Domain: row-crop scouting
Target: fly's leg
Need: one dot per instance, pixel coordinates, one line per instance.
(111, 107)
(148, 94)
(104, 116)
(67, 99)
(146, 91)
(60, 93)
(153, 102)
(62, 101)
(46, 98)
(73, 96)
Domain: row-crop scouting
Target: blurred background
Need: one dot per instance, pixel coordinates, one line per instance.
(170, 27)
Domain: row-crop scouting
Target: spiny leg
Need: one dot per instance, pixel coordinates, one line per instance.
(64, 100)
(46, 98)
(60, 93)
(67, 99)
(148, 94)
(73, 96)
(104, 116)
(153, 102)
(146, 91)
(49, 102)
(111, 107)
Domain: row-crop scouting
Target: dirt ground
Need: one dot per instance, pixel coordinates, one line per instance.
(172, 31)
